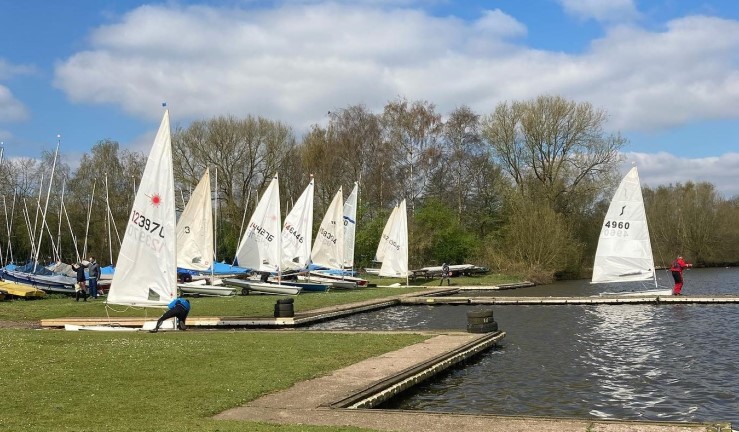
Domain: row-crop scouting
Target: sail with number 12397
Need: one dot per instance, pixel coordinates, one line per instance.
(146, 271)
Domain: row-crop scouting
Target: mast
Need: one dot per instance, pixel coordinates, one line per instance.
(46, 205)
(71, 232)
(89, 214)
(2, 150)
(215, 233)
(59, 230)
(108, 220)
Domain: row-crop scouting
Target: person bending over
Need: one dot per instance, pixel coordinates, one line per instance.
(178, 308)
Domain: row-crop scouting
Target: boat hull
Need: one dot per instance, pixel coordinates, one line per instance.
(202, 288)
(263, 287)
(50, 284)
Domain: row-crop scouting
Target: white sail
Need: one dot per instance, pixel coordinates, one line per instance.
(297, 232)
(382, 246)
(146, 272)
(260, 248)
(395, 259)
(624, 251)
(350, 226)
(328, 248)
(195, 229)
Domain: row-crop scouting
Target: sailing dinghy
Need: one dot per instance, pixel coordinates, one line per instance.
(261, 247)
(393, 247)
(146, 270)
(624, 252)
(296, 240)
(195, 244)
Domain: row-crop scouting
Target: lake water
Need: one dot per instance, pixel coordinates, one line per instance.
(670, 362)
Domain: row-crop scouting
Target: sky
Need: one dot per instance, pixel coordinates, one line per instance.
(665, 71)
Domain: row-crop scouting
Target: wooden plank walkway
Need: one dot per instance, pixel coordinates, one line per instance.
(431, 297)
(608, 300)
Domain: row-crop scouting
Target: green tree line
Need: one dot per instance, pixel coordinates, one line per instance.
(522, 189)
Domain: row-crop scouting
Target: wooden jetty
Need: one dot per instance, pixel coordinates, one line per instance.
(608, 300)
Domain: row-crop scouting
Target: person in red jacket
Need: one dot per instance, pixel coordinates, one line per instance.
(677, 273)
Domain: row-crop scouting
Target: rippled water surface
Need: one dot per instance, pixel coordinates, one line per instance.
(644, 362)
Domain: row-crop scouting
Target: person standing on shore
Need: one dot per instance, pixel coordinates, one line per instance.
(80, 289)
(94, 272)
(445, 274)
(677, 273)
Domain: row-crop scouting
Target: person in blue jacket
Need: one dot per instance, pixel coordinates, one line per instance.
(178, 308)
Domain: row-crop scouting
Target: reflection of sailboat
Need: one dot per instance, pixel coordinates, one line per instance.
(394, 245)
(146, 270)
(195, 241)
(624, 251)
(261, 247)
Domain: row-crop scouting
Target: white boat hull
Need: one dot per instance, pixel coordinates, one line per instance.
(168, 325)
(200, 287)
(356, 280)
(655, 293)
(263, 287)
(333, 283)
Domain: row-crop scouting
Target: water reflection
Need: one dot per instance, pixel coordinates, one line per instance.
(671, 362)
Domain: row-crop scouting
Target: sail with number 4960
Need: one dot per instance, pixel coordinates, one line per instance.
(624, 252)
(146, 271)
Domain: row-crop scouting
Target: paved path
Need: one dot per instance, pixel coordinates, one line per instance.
(309, 402)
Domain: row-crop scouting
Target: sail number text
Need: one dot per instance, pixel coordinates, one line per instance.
(147, 224)
(617, 225)
(616, 229)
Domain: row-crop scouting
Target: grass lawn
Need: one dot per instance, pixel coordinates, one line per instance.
(58, 306)
(89, 381)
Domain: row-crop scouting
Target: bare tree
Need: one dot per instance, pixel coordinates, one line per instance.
(245, 152)
(554, 149)
(413, 130)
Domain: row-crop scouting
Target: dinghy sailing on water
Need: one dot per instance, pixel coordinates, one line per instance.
(624, 252)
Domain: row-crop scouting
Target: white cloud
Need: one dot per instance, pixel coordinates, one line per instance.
(601, 10)
(11, 109)
(663, 169)
(8, 70)
(297, 61)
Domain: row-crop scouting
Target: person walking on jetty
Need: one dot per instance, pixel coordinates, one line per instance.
(677, 273)
(178, 308)
(94, 272)
(445, 274)
(80, 289)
